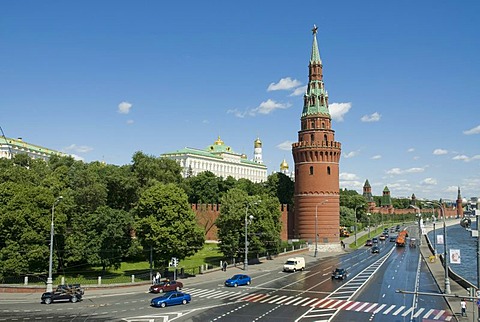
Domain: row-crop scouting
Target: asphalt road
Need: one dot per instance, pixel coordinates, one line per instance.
(368, 294)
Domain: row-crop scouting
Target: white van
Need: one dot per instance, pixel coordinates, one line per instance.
(294, 264)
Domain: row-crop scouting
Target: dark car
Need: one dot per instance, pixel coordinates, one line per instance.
(171, 298)
(374, 240)
(239, 279)
(339, 273)
(368, 242)
(64, 293)
(166, 286)
(375, 250)
(393, 239)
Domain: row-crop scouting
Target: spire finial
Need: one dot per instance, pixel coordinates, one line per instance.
(314, 30)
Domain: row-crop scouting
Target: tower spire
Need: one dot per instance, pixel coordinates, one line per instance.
(315, 56)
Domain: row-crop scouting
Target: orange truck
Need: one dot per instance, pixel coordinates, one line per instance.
(401, 238)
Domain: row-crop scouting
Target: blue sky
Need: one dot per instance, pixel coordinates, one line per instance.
(104, 79)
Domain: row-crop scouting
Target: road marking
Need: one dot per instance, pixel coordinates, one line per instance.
(418, 312)
(399, 310)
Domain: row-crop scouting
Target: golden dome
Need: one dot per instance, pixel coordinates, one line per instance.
(284, 165)
(257, 143)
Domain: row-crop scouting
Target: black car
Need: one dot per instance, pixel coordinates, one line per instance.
(375, 249)
(339, 273)
(71, 293)
(393, 238)
(375, 240)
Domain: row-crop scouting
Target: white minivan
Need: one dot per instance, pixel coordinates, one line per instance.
(294, 264)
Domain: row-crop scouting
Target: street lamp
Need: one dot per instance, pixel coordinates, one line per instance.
(434, 219)
(445, 257)
(368, 217)
(245, 261)
(316, 235)
(356, 207)
(50, 263)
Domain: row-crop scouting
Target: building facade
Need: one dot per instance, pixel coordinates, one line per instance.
(316, 156)
(10, 147)
(222, 161)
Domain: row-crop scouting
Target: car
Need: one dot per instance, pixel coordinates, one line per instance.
(171, 298)
(238, 279)
(375, 250)
(382, 237)
(63, 293)
(339, 273)
(393, 239)
(369, 242)
(375, 240)
(386, 235)
(166, 286)
(294, 264)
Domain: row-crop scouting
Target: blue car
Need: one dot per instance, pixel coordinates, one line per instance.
(238, 279)
(171, 298)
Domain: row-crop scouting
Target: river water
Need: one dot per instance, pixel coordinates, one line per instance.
(459, 238)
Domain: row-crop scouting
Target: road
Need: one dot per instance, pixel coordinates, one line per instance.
(368, 294)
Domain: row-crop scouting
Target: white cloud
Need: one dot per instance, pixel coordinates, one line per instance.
(79, 148)
(411, 150)
(299, 91)
(338, 110)
(124, 107)
(451, 189)
(269, 106)
(376, 157)
(375, 117)
(350, 154)
(130, 122)
(475, 130)
(77, 157)
(465, 158)
(396, 171)
(348, 176)
(284, 84)
(286, 145)
(440, 151)
(429, 182)
(264, 108)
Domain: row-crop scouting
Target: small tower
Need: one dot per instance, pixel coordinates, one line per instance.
(257, 151)
(386, 201)
(367, 194)
(317, 156)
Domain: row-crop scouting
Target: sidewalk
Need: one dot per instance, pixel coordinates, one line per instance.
(438, 272)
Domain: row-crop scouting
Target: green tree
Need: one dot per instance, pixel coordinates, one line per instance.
(150, 170)
(263, 230)
(281, 186)
(203, 188)
(167, 223)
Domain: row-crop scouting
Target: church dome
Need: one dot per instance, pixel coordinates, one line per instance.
(284, 165)
(257, 143)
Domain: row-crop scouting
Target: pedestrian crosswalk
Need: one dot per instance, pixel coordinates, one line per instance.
(323, 306)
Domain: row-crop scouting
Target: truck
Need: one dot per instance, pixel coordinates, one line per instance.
(294, 264)
(401, 238)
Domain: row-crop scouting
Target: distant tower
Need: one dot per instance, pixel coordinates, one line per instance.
(284, 168)
(459, 204)
(386, 201)
(257, 151)
(316, 156)
(367, 194)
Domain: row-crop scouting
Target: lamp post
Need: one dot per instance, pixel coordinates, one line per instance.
(368, 217)
(245, 261)
(50, 263)
(445, 255)
(434, 219)
(316, 220)
(356, 206)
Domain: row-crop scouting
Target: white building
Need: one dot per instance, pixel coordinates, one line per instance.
(222, 161)
(10, 147)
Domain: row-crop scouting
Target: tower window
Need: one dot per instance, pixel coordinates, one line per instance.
(328, 170)
(311, 170)
(325, 138)
(312, 138)
(313, 125)
(323, 125)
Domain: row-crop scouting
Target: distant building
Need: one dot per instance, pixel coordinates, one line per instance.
(222, 161)
(10, 147)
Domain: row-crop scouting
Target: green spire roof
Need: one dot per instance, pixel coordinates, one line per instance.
(367, 184)
(315, 57)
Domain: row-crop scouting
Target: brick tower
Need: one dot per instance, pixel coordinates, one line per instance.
(316, 156)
